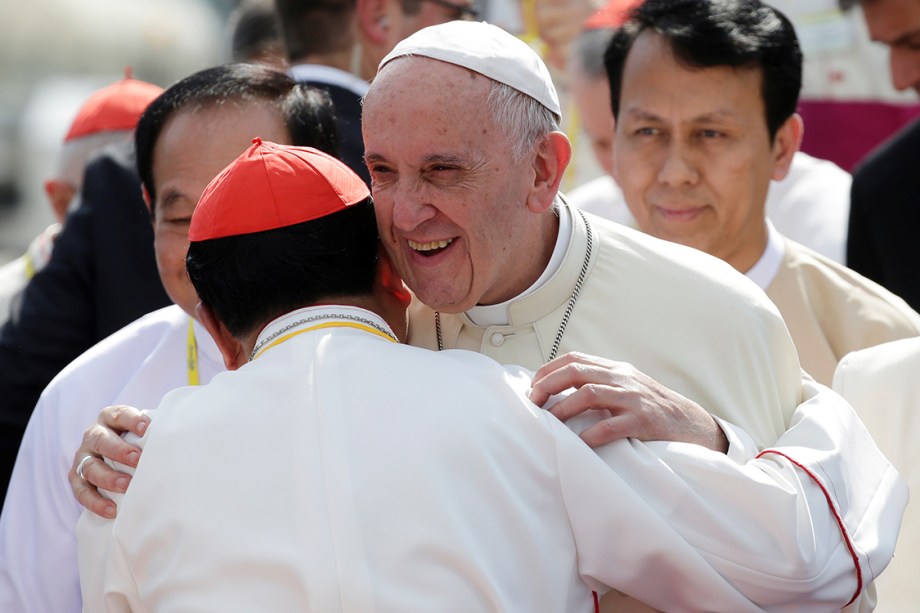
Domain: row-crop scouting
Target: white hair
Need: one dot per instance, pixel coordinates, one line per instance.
(521, 119)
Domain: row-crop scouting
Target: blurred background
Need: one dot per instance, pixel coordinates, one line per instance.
(55, 53)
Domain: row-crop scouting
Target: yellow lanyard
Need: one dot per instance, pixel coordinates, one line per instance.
(192, 354)
(30, 267)
(336, 324)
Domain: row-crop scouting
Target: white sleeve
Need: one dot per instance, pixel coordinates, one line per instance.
(105, 579)
(786, 527)
(38, 549)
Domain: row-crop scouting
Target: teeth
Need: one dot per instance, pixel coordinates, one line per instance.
(431, 246)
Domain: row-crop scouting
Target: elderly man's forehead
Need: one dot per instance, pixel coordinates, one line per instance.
(414, 70)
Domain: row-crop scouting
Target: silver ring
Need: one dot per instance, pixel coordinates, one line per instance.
(81, 465)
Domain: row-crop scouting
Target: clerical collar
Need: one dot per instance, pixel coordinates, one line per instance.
(767, 267)
(328, 75)
(498, 314)
(310, 318)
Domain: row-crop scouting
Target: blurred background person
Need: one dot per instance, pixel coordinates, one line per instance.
(885, 214)
(101, 274)
(254, 35)
(107, 117)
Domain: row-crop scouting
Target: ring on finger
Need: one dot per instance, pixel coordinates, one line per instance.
(81, 465)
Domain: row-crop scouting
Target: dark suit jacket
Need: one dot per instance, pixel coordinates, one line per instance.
(348, 123)
(883, 241)
(102, 275)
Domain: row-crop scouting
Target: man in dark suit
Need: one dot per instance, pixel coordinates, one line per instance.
(882, 241)
(336, 46)
(102, 275)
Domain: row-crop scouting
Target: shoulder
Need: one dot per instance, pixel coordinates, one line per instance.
(889, 161)
(842, 287)
(635, 261)
(131, 344)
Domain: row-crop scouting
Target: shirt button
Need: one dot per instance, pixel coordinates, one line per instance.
(497, 339)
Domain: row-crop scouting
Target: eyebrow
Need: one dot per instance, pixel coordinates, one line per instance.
(714, 116)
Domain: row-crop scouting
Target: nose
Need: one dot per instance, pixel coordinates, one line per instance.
(677, 167)
(905, 68)
(410, 208)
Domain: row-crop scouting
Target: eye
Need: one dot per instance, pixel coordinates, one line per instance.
(711, 134)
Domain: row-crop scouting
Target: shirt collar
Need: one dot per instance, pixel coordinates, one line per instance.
(497, 314)
(330, 76)
(766, 268)
(324, 314)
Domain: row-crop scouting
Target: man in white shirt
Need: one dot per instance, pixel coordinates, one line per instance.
(190, 133)
(700, 138)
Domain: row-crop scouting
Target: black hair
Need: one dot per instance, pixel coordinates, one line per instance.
(709, 33)
(252, 278)
(307, 112)
(314, 26)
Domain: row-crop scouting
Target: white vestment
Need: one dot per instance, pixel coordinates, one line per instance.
(883, 385)
(340, 471)
(137, 365)
(699, 327)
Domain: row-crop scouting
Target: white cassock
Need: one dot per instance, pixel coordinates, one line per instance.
(699, 327)
(883, 385)
(340, 471)
(137, 365)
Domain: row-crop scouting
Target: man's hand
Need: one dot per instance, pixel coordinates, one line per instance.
(103, 439)
(640, 407)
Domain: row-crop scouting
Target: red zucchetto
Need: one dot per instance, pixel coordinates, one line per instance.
(113, 108)
(274, 186)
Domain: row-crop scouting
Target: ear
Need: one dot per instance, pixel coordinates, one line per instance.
(373, 20)
(785, 144)
(552, 158)
(230, 347)
(389, 281)
(60, 194)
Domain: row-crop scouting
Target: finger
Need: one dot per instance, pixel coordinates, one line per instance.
(102, 476)
(89, 497)
(124, 418)
(590, 397)
(100, 441)
(607, 430)
(571, 375)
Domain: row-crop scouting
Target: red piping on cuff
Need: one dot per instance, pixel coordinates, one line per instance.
(840, 524)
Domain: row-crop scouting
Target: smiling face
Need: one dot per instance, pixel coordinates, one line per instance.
(193, 147)
(456, 213)
(693, 153)
(896, 24)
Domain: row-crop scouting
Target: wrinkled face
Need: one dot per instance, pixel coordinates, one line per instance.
(896, 24)
(693, 153)
(592, 97)
(450, 201)
(193, 147)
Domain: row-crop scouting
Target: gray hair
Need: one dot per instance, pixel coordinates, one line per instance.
(521, 119)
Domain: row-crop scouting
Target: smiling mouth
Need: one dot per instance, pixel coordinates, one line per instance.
(429, 248)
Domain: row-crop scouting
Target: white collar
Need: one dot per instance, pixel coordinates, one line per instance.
(766, 268)
(318, 73)
(497, 314)
(323, 314)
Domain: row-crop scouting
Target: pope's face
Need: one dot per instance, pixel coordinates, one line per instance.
(193, 147)
(896, 23)
(693, 153)
(450, 201)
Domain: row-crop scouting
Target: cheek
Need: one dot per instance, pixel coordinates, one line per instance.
(170, 253)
